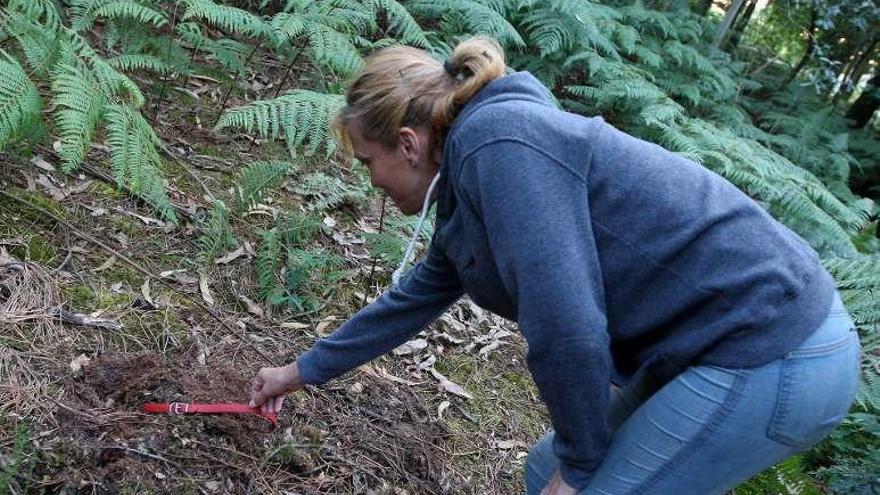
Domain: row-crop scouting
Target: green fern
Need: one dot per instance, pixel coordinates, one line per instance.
(302, 117)
(326, 192)
(79, 107)
(20, 103)
(133, 62)
(296, 229)
(86, 12)
(42, 12)
(134, 159)
(859, 283)
(474, 18)
(402, 22)
(267, 264)
(258, 179)
(230, 19)
(216, 234)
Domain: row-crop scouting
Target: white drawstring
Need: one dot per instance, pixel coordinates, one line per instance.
(395, 277)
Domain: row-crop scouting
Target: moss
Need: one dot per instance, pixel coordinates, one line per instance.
(78, 296)
(117, 273)
(27, 214)
(37, 250)
(125, 226)
(106, 190)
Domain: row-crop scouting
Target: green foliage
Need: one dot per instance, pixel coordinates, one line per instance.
(233, 20)
(216, 233)
(785, 478)
(257, 180)
(18, 464)
(84, 13)
(20, 103)
(302, 117)
(134, 159)
(267, 264)
(326, 192)
(79, 107)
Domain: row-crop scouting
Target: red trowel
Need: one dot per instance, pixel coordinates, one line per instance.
(218, 408)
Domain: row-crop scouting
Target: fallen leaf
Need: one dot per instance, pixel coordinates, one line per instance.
(76, 365)
(106, 264)
(252, 307)
(411, 347)
(294, 325)
(442, 408)
(42, 164)
(329, 222)
(146, 220)
(449, 386)
(206, 291)
(56, 193)
(145, 291)
(230, 256)
(510, 444)
(427, 363)
(321, 328)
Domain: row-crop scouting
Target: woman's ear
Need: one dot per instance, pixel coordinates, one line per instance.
(410, 144)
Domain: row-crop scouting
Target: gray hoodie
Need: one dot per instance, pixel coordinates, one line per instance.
(616, 257)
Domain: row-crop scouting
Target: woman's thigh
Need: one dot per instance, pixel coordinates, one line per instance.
(711, 428)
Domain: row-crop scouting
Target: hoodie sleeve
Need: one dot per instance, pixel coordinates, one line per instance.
(536, 214)
(421, 296)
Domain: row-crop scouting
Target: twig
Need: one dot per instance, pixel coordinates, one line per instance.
(375, 258)
(138, 268)
(87, 321)
(167, 56)
(234, 83)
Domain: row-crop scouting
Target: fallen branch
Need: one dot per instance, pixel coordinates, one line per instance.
(87, 321)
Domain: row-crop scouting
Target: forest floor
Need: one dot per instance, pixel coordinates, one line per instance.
(71, 395)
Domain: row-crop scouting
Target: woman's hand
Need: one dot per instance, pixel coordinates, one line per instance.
(558, 486)
(271, 384)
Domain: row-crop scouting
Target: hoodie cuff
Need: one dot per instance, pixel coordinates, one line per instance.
(575, 477)
(308, 369)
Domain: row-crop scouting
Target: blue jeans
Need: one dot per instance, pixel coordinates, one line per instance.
(711, 428)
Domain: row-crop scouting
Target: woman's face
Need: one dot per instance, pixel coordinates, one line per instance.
(404, 171)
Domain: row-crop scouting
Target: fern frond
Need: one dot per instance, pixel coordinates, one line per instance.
(400, 21)
(42, 47)
(133, 156)
(327, 192)
(258, 179)
(297, 229)
(84, 13)
(139, 61)
(216, 233)
(20, 103)
(230, 19)
(302, 116)
(79, 107)
(43, 12)
(127, 9)
(476, 18)
(267, 263)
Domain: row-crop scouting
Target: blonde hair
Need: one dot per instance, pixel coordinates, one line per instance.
(403, 86)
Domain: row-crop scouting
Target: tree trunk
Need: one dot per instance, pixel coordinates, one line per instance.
(811, 46)
(864, 107)
(742, 22)
(729, 17)
(854, 68)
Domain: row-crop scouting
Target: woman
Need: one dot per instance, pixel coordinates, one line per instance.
(621, 262)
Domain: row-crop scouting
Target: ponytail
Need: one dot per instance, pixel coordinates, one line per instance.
(403, 86)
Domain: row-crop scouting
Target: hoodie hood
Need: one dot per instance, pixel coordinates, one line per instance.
(517, 86)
